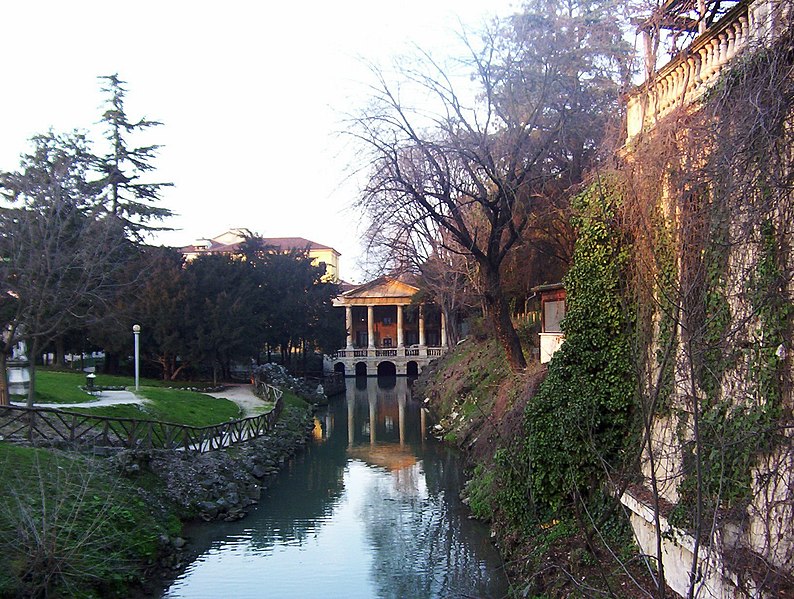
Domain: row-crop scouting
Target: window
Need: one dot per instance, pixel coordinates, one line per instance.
(553, 313)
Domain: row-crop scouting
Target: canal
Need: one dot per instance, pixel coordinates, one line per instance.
(370, 510)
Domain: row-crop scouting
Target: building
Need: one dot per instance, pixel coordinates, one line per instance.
(552, 311)
(746, 548)
(386, 332)
(231, 241)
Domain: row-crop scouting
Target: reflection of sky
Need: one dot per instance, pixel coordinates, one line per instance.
(343, 524)
(333, 560)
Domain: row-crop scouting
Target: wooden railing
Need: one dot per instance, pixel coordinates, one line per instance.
(526, 318)
(47, 426)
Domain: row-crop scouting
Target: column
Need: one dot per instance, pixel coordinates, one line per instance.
(350, 398)
(400, 342)
(349, 326)
(421, 324)
(401, 417)
(372, 398)
(370, 327)
(443, 330)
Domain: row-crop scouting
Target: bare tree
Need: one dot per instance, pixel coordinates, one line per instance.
(466, 161)
(58, 257)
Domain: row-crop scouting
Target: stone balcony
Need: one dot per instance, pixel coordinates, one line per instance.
(694, 69)
(370, 361)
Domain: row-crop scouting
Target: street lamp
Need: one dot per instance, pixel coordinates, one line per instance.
(136, 330)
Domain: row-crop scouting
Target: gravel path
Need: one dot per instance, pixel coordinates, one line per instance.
(105, 398)
(242, 395)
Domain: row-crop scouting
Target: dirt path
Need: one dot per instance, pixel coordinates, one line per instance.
(243, 395)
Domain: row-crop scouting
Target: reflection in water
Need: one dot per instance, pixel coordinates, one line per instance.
(370, 510)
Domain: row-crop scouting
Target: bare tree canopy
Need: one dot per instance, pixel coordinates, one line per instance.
(464, 158)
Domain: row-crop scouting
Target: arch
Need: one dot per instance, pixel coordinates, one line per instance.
(387, 368)
(339, 368)
(412, 368)
(361, 369)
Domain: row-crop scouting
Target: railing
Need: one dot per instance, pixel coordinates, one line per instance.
(267, 391)
(526, 318)
(687, 75)
(389, 352)
(50, 425)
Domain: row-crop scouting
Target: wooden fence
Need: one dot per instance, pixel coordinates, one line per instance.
(50, 426)
(526, 318)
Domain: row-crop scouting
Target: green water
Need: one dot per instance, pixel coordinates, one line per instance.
(370, 510)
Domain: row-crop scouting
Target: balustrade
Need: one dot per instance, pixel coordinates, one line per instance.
(690, 73)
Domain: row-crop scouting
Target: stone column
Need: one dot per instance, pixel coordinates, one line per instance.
(443, 330)
(421, 324)
(350, 397)
(372, 398)
(400, 342)
(349, 325)
(370, 327)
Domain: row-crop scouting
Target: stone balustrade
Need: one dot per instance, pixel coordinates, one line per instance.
(684, 79)
(390, 352)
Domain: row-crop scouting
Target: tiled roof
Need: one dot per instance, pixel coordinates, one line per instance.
(279, 243)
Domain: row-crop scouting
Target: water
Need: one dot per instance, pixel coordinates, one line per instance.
(368, 511)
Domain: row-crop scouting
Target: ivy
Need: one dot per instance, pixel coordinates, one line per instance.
(769, 301)
(578, 421)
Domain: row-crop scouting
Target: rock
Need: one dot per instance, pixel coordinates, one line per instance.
(179, 542)
(208, 508)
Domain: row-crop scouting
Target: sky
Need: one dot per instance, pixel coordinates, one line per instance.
(252, 97)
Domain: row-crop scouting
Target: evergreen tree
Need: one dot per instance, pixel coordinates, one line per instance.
(125, 193)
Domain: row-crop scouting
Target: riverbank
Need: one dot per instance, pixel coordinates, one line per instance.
(79, 525)
(480, 406)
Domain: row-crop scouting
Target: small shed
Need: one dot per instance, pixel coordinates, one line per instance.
(552, 311)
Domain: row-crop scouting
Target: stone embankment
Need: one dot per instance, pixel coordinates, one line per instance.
(219, 485)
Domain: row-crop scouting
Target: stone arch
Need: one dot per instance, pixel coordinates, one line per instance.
(339, 368)
(387, 368)
(412, 368)
(361, 369)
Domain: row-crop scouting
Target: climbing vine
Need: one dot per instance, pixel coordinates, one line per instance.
(578, 423)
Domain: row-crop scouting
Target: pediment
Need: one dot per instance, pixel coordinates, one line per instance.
(381, 288)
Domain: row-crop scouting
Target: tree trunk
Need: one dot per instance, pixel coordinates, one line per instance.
(499, 315)
(111, 364)
(4, 397)
(33, 351)
(60, 351)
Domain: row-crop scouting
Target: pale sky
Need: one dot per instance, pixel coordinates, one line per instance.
(251, 94)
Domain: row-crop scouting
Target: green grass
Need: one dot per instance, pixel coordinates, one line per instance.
(70, 528)
(172, 405)
(58, 386)
(290, 399)
(168, 405)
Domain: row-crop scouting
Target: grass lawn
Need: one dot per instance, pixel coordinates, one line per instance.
(168, 405)
(57, 386)
(69, 528)
(172, 405)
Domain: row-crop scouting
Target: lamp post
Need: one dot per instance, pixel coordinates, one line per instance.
(136, 330)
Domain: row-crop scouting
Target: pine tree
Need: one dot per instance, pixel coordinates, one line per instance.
(126, 195)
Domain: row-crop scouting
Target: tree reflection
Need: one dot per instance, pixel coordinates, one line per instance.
(399, 530)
